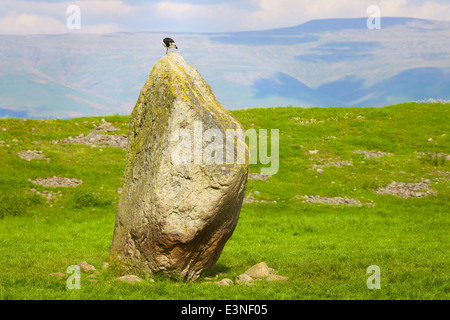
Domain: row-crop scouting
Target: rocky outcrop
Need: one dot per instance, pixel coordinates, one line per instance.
(181, 200)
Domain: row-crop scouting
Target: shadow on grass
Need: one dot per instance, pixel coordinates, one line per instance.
(219, 268)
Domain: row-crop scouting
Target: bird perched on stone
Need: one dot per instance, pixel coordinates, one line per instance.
(169, 44)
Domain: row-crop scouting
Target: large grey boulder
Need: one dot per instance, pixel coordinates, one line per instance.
(182, 194)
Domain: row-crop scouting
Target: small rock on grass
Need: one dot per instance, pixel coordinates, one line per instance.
(244, 279)
(86, 267)
(261, 271)
(129, 278)
(258, 176)
(258, 271)
(225, 282)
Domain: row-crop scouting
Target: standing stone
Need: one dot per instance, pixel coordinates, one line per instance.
(182, 195)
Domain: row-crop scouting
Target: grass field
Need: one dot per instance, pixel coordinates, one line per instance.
(324, 249)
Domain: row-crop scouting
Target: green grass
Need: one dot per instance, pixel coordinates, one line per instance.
(324, 249)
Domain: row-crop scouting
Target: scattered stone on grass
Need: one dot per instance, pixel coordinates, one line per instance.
(372, 154)
(305, 122)
(32, 154)
(408, 190)
(439, 155)
(57, 182)
(338, 164)
(258, 176)
(225, 282)
(49, 195)
(333, 200)
(250, 199)
(258, 272)
(129, 278)
(212, 277)
(105, 265)
(106, 126)
(86, 267)
(442, 175)
(94, 138)
(244, 279)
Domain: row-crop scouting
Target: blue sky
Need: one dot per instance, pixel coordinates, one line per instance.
(105, 16)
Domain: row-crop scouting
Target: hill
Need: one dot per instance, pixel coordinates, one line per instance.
(355, 187)
(332, 62)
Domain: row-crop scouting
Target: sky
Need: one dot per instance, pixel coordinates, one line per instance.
(197, 16)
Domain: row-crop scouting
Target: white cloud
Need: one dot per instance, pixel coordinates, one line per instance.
(58, 8)
(193, 17)
(31, 24)
(32, 17)
(26, 16)
(103, 7)
(433, 10)
(283, 13)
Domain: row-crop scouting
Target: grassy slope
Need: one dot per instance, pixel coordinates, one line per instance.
(324, 249)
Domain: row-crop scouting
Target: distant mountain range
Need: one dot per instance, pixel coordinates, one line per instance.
(332, 62)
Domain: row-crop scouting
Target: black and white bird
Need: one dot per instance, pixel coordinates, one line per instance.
(169, 44)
